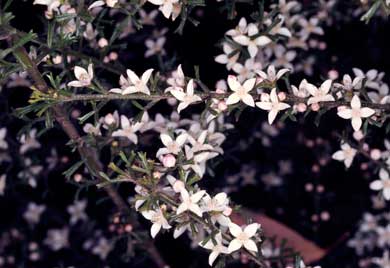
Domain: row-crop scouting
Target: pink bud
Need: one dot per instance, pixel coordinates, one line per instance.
(222, 106)
(168, 160)
(375, 154)
(282, 96)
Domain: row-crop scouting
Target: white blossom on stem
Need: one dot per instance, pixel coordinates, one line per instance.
(167, 7)
(241, 91)
(185, 98)
(346, 154)
(172, 146)
(128, 129)
(320, 94)
(272, 105)
(383, 184)
(242, 237)
(272, 76)
(190, 202)
(356, 113)
(216, 247)
(84, 77)
(252, 40)
(134, 84)
(158, 220)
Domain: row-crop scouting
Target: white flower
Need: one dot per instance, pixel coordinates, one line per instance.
(252, 42)
(346, 154)
(241, 92)
(190, 202)
(158, 220)
(301, 92)
(166, 6)
(356, 113)
(3, 142)
(128, 129)
(349, 84)
(319, 94)
(243, 237)
(272, 105)
(134, 84)
(219, 208)
(171, 146)
(242, 28)
(91, 129)
(57, 239)
(84, 77)
(227, 58)
(185, 98)
(29, 141)
(383, 236)
(271, 75)
(247, 70)
(383, 262)
(383, 184)
(216, 247)
(155, 47)
(33, 213)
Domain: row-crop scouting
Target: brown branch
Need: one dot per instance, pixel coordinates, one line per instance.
(88, 153)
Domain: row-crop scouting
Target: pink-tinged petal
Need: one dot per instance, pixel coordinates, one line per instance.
(178, 94)
(282, 72)
(162, 151)
(125, 123)
(252, 49)
(355, 102)
(116, 90)
(328, 98)
(234, 229)
(166, 139)
(182, 106)
(248, 100)
(284, 31)
(272, 115)
(75, 84)
(166, 9)
(250, 245)
(146, 75)
(252, 29)
(132, 76)
(271, 71)
(274, 96)
(80, 72)
(348, 162)
(190, 87)
(155, 229)
(212, 257)
(325, 86)
(372, 74)
(249, 84)
(223, 59)
(263, 40)
(264, 105)
(148, 214)
(129, 90)
(376, 185)
(242, 40)
(181, 139)
(232, 99)
(221, 198)
(234, 245)
(132, 137)
(312, 89)
(356, 123)
(196, 197)
(345, 113)
(283, 106)
(251, 229)
(386, 193)
(366, 112)
(262, 74)
(339, 155)
(234, 85)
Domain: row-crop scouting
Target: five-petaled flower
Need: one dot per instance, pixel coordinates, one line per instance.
(185, 98)
(84, 77)
(242, 237)
(128, 129)
(356, 113)
(273, 105)
(171, 146)
(241, 92)
(253, 40)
